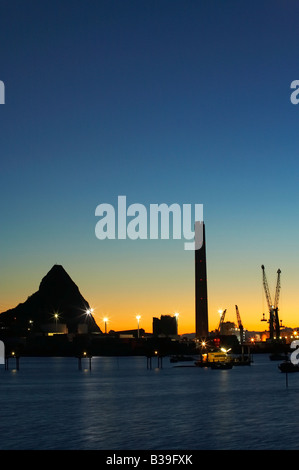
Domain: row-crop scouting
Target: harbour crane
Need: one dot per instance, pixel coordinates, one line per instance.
(274, 325)
(240, 325)
(221, 320)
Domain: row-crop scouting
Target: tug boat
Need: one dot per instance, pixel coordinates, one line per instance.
(215, 360)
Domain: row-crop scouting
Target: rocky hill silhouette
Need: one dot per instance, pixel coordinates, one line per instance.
(57, 294)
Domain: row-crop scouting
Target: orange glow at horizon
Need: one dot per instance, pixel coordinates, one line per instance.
(121, 312)
(123, 317)
(150, 285)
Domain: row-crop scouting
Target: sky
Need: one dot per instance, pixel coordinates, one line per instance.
(163, 101)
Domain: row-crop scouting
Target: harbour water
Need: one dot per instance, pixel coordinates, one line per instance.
(119, 404)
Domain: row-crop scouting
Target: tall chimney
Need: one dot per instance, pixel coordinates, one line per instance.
(201, 291)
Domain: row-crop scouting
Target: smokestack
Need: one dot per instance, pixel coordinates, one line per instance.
(201, 291)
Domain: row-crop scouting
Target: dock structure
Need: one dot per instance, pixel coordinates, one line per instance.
(84, 355)
(149, 358)
(12, 355)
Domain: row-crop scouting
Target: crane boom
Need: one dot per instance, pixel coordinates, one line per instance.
(221, 321)
(273, 308)
(239, 323)
(277, 292)
(266, 288)
(238, 316)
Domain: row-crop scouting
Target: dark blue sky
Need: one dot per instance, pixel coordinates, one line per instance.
(162, 101)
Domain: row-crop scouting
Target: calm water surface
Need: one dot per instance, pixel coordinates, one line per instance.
(120, 405)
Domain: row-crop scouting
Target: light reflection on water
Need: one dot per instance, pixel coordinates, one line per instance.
(119, 404)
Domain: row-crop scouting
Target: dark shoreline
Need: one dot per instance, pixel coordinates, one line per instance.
(101, 345)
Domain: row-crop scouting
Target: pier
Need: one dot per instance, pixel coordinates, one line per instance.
(84, 355)
(12, 355)
(149, 360)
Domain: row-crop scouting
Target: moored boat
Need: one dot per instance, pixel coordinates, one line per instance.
(215, 360)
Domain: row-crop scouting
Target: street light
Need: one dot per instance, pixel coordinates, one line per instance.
(177, 321)
(88, 314)
(56, 318)
(138, 318)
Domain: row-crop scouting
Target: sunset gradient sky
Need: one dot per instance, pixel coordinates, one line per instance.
(166, 101)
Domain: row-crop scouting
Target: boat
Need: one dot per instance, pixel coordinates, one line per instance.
(215, 360)
(288, 366)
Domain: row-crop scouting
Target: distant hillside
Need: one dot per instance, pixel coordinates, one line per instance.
(57, 294)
